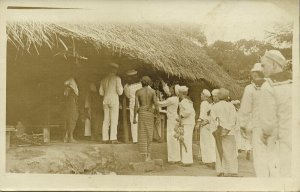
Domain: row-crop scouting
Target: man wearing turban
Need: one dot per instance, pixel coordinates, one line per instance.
(187, 118)
(207, 141)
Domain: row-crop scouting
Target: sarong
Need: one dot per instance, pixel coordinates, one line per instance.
(145, 129)
(229, 163)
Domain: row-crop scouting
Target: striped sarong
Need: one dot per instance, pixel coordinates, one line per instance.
(145, 129)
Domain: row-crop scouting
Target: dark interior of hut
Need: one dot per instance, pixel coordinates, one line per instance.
(35, 81)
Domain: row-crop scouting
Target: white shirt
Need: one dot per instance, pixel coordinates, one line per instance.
(130, 90)
(226, 113)
(172, 105)
(111, 88)
(205, 107)
(187, 112)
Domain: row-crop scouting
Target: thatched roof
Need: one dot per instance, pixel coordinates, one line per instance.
(174, 50)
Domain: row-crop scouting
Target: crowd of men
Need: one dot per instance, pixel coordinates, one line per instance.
(261, 122)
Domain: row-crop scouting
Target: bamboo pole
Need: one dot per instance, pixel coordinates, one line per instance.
(125, 127)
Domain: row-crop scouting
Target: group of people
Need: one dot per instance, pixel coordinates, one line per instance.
(262, 120)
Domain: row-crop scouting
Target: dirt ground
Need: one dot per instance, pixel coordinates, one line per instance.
(93, 158)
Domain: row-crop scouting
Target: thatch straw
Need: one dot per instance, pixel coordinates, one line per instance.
(166, 47)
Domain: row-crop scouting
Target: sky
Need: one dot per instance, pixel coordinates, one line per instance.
(222, 20)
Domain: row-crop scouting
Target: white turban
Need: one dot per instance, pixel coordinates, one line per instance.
(276, 56)
(257, 67)
(183, 89)
(215, 92)
(71, 83)
(206, 93)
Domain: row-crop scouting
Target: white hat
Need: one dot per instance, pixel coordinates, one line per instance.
(114, 65)
(206, 93)
(215, 92)
(276, 56)
(72, 83)
(183, 89)
(176, 89)
(131, 72)
(257, 67)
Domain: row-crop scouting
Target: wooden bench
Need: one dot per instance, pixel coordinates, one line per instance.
(9, 130)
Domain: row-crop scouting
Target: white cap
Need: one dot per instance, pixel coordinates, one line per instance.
(215, 92)
(206, 93)
(257, 67)
(183, 89)
(131, 72)
(276, 56)
(114, 65)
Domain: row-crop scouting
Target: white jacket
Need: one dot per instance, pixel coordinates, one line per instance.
(111, 88)
(249, 110)
(187, 112)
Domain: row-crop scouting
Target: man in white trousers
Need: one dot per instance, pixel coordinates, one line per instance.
(207, 140)
(187, 116)
(276, 113)
(173, 144)
(249, 120)
(111, 88)
(129, 89)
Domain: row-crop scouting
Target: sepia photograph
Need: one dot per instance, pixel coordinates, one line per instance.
(159, 89)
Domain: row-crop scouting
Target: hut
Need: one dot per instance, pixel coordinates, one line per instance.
(41, 55)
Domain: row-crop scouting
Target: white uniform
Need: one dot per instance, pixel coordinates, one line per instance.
(187, 113)
(111, 88)
(172, 144)
(249, 118)
(276, 120)
(129, 91)
(207, 140)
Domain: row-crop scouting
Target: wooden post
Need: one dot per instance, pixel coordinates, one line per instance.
(125, 127)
